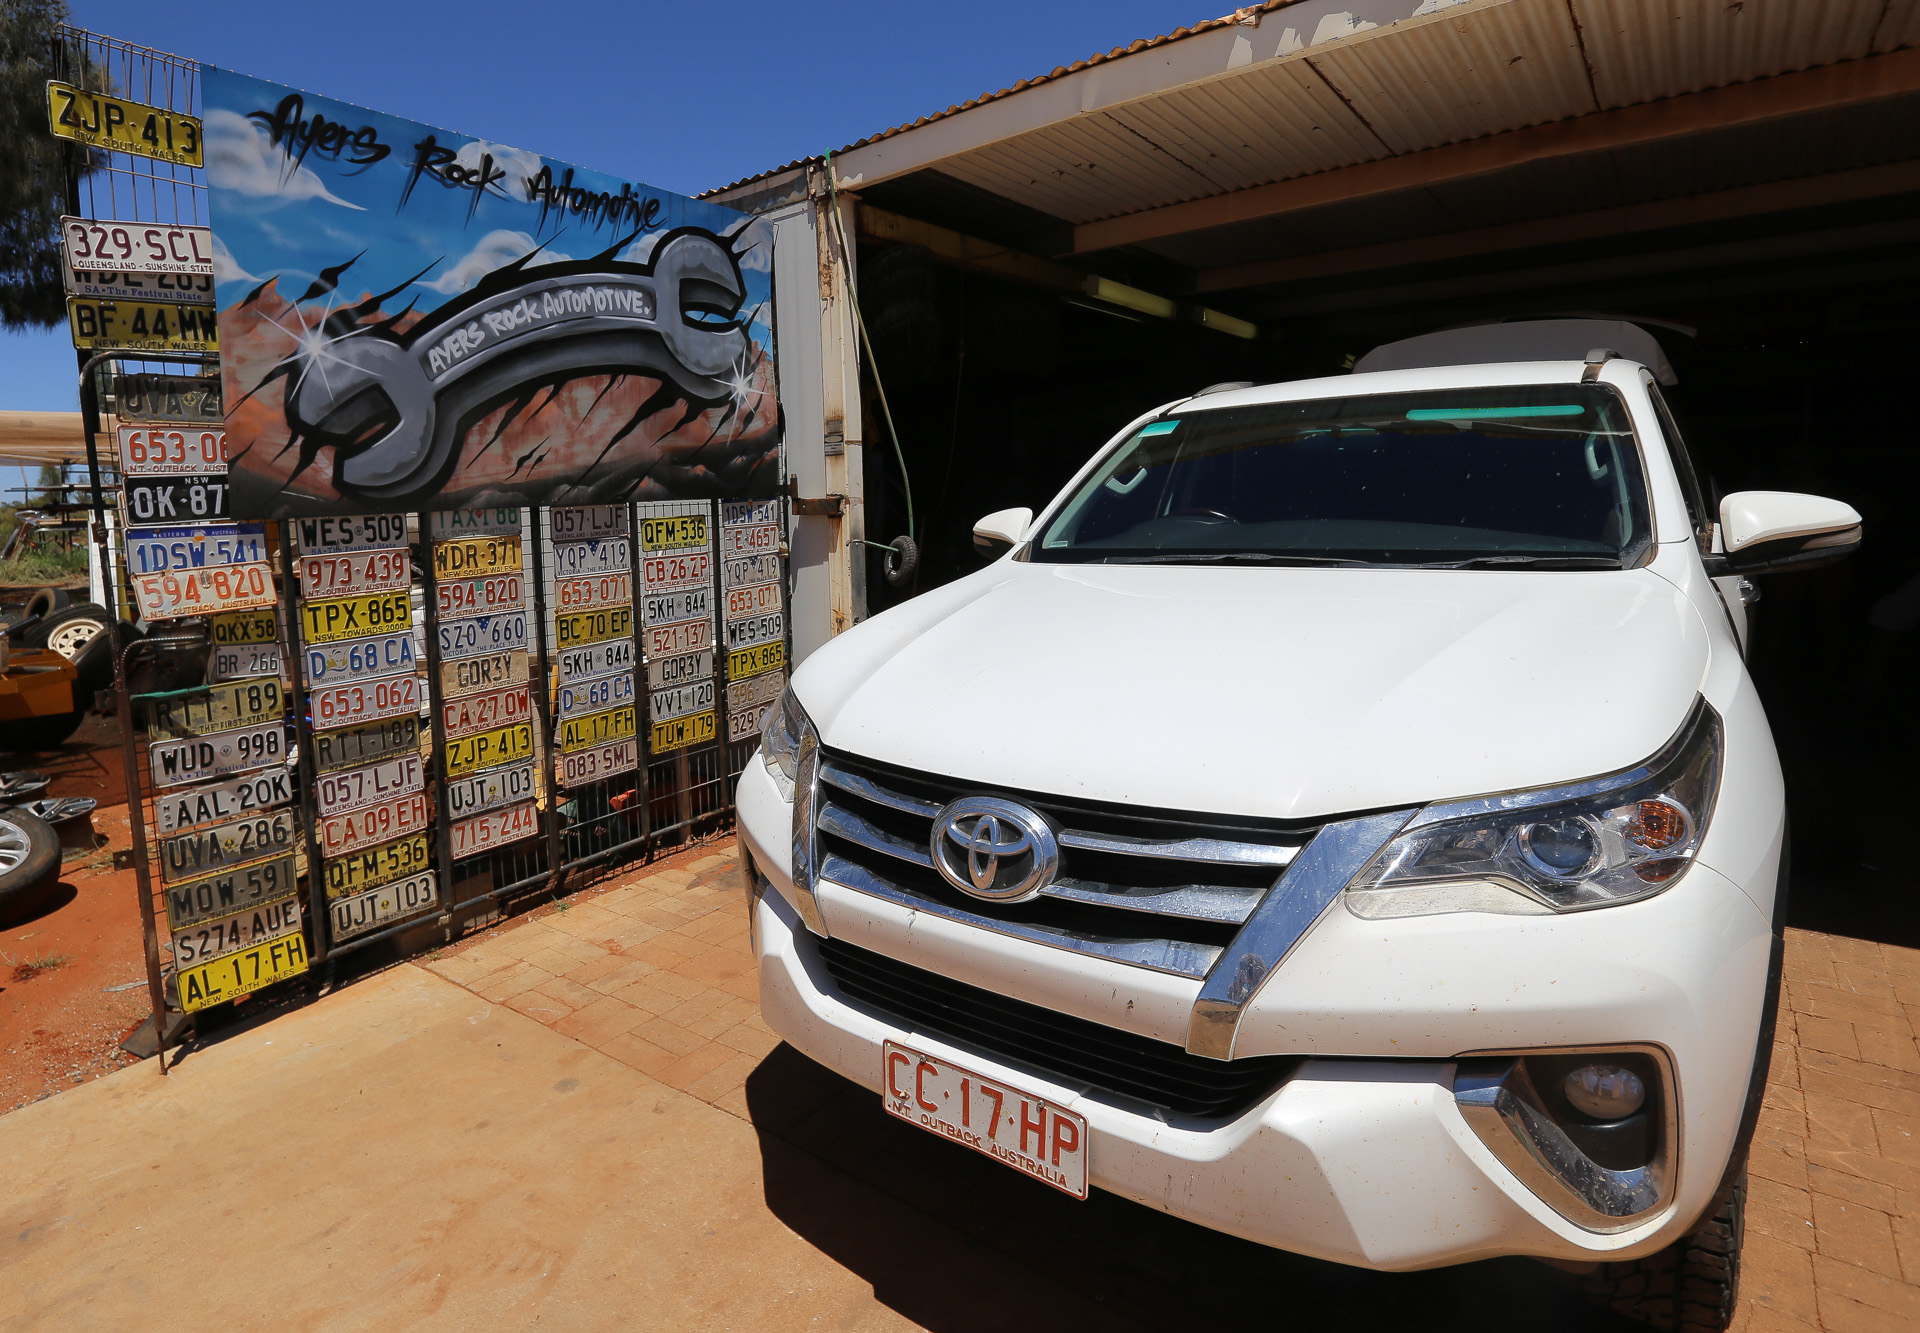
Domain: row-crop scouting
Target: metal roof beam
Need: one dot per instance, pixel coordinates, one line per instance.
(1785, 95)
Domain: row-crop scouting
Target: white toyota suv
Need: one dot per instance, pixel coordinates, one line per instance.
(1343, 818)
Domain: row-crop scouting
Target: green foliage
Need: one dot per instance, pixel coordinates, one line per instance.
(32, 177)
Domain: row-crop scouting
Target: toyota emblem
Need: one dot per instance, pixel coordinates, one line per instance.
(995, 850)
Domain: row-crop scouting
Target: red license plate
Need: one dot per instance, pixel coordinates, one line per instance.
(1022, 1130)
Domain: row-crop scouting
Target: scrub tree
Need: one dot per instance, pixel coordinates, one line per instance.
(32, 182)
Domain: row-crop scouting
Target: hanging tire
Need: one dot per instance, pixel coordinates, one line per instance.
(69, 630)
(1692, 1285)
(29, 864)
(901, 561)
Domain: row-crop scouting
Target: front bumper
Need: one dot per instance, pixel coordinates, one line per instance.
(1365, 1161)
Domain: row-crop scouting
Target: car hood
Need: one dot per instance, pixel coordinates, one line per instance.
(1278, 693)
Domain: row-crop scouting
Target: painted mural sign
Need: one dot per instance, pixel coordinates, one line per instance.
(415, 319)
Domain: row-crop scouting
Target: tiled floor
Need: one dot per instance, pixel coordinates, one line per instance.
(655, 972)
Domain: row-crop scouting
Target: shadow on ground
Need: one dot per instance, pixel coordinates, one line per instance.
(957, 1243)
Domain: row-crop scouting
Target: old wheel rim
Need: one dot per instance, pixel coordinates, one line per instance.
(70, 638)
(14, 846)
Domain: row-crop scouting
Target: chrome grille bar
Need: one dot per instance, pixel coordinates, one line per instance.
(1219, 851)
(855, 785)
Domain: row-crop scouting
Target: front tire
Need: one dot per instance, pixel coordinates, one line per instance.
(1693, 1285)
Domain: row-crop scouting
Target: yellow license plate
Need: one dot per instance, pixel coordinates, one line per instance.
(580, 733)
(582, 627)
(245, 627)
(680, 732)
(470, 754)
(242, 973)
(244, 703)
(355, 617)
(757, 660)
(128, 127)
(146, 326)
(673, 534)
(359, 871)
(465, 557)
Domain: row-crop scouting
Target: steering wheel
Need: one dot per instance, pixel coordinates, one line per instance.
(1204, 513)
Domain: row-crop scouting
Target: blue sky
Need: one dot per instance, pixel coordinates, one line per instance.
(683, 96)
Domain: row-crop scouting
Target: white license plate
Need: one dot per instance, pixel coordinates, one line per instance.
(750, 540)
(360, 829)
(357, 659)
(352, 532)
(579, 522)
(203, 592)
(590, 696)
(495, 521)
(604, 555)
(364, 745)
(743, 570)
(596, 659)
(483, 634)
(230, 934)
(740, 513)
(169, 451)
(756, 691)
(220, 847)
(175, 499)
(689, 636)
(677, 569)
(347, 572)
(745, 722)
(390, 902)
(223, 895)
(176, 811)
(173, 762)
(175, 550)
(261, 659)
(1026, 1132)
(666, 608)
(663, 672)
(493, 671)
(490, 790)
(335, 706)
(761, 599)
(136, 247)
(756, 629)
(495, 828)
(680, 700)
(485, 596)
(599, 763)
(484, 712)
(357, 788)
(576, 594)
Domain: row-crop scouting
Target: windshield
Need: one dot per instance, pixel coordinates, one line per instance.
(1541, 475)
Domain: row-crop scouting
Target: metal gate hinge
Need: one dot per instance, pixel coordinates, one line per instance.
(829, 506)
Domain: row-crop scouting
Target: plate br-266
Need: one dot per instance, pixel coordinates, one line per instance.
(577, 594)
(352, 532)
(203, 592)
(242, 973)
(490, 790)
(680, 732)
(484, 712)
(230, 934)
(390, 902)
(580, 522)
(355, 617)
(597, 659)
(358, 871)
(220, 847)
(356, 788)
(334, 706)
(580, 733)
(230, 891)
(495, 828)
(590, 696)
(338, 575)
(366, 744)
(466, 675)
(483, 634)
(258, 659)
(245, 703)
(1028, 1133)
(177, 811)
(600, 555)
(663, 672)
(601, 762)
(171, 550)
(467, 557)
(357, 659)
(359, 829)
(487, 749)
(173, 762)
(164, 451)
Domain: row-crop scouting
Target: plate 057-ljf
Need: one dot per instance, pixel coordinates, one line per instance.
(174, 762)
(220, 847)
(357, 788)
(334, 706)
(355, 872)
(601, 762)
(495, 828)
(376, 907)
(242, 973)
(177, 811)
(583, 522)
(490, 790)
(357, 659)
(360, 829)
(230, 891)
(230, 934)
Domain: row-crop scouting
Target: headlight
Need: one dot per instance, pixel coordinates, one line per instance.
(1556, 849)
(780, 734)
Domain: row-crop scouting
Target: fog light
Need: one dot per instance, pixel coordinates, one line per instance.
(1605, 1092)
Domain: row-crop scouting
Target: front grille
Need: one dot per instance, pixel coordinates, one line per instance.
(1066, 1050)
(1160, 889)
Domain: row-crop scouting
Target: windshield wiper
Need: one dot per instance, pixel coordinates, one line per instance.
(1528, 562)
(1228, 558)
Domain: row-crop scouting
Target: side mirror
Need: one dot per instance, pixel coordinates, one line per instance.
(995, 535)
(1768, 531)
